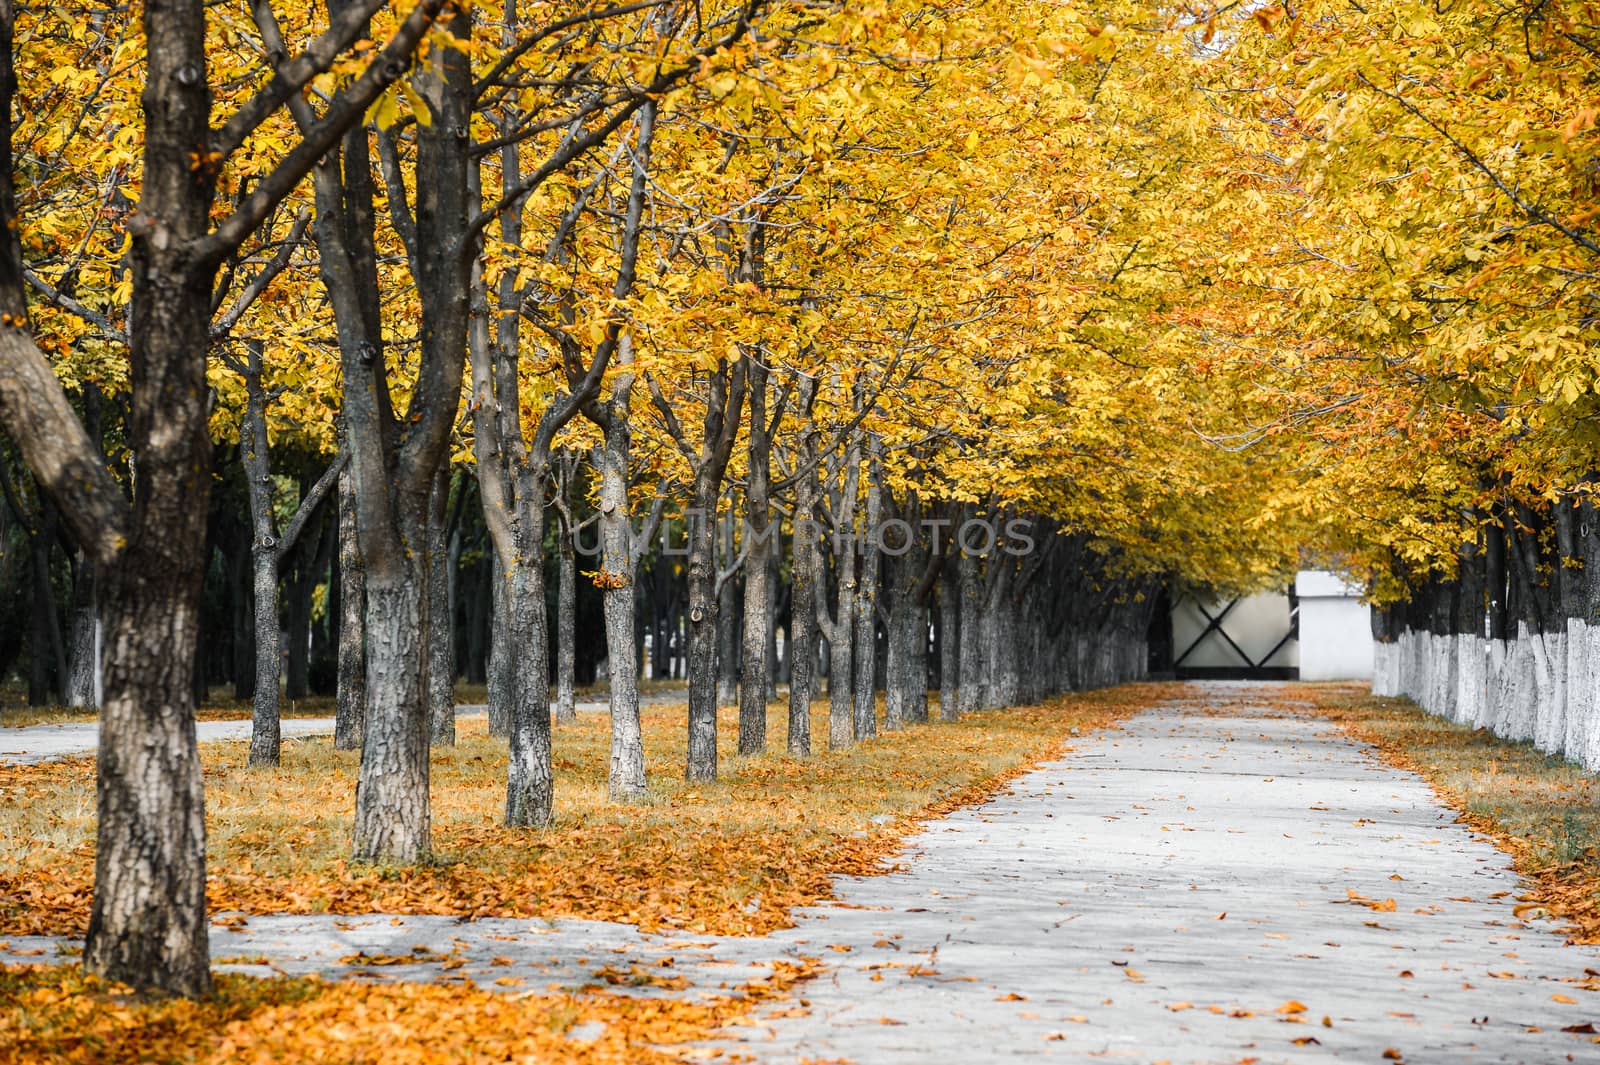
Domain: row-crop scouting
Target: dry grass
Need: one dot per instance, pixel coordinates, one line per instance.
(56, 1014)
(1543, 810)
(729, 857)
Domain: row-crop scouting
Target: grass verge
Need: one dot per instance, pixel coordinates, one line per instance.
(59, 1015)
(730, 857)
(1543, 810)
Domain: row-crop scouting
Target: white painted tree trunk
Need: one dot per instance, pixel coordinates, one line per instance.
(1522, 688)
(1385, 668)
(1550, 686)
(1583, 710)
(1492, 717)
(1471, 667)
(1442, 656)
(1576, 662)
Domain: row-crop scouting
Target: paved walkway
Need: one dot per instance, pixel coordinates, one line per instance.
(1182, 890)
(1196, 887)
(40, 743)
(28, 744)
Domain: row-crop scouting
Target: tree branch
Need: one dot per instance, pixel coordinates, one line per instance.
(258, 284)
(72, 306)
(312, 500)
(290, 76)
(347, 109)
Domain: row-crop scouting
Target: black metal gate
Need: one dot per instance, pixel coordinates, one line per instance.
(1228, 646)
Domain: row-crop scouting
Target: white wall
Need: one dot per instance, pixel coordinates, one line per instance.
(1335, 628)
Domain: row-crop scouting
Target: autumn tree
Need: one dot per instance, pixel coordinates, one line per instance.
(148, 926)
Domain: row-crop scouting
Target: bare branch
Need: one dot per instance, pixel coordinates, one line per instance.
(72, 306)
(347, 108)
(258, 284)
(290, 76)
(312, 499)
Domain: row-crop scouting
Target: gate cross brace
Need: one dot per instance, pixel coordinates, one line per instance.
(1213, 624)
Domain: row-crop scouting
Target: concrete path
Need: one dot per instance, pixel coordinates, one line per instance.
(1196, 887)
(1191, 889)
(40, 743)
(28, 744)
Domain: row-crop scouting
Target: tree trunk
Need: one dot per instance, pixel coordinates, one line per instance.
(757, 635)
(148, 923)
(702, 755)
(999, 637)
(480, 613)
(530, 780)
(499, 678)
(724, 402)
(82, 682)
(866, 625)
(83, 659)
(395, 474)
(350, 711)
(969, 695)
(441, 627)
(392, 816)
(46, 657)
(265, 737)
(802, 615)
(302, 581)
(567, 595)
(949, 641)
(776, 595)
(841, 633)
(620, 565)
(567, 632)
(241, 596)
(727, 617)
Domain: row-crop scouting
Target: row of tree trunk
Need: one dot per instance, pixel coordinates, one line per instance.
(1511, 642)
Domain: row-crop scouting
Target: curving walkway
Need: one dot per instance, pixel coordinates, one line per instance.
(1182, 890)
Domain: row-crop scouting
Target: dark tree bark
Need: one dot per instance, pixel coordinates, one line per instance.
(840, 627)
(82, 652)
(866, 634)
(567, 466)
(499, 680)
(310, 568)
(998, 627)
(46, 657)
(778, 597)
(241, 596)
(480, 610)
(267, 551)
(82, 682)
(1495, 578)
(727, 612)
(442, 519)
(147, 927)
(350, 713)
(803, 578)
(949, 641)
(708, 459)
(970, 695)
